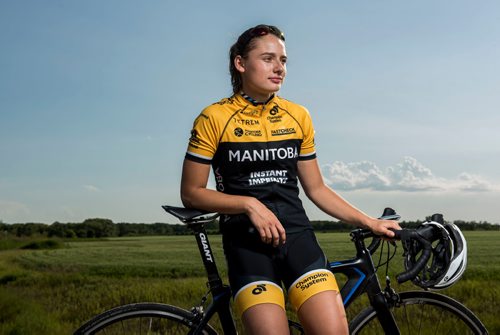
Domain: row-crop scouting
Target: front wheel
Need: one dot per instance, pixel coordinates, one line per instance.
(422, 312)
(143, 318)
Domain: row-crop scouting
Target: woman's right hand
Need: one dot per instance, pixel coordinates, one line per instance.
(268, 226)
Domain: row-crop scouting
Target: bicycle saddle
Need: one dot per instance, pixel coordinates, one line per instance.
(189, 215)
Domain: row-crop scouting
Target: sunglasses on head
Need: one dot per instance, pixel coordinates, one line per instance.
(261, 30)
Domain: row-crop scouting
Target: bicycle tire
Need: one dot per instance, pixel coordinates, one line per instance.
(422, 312)
(143, 318)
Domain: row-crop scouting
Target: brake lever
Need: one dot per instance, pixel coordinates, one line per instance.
(394, 217)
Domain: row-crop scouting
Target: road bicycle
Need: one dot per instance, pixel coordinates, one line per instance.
(389, 312)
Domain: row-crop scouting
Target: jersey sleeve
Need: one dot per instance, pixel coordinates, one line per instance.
(307, 149)
(203, 141)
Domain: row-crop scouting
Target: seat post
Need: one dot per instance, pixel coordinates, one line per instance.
(206, 254)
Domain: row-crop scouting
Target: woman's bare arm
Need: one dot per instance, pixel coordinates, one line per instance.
(195, 194)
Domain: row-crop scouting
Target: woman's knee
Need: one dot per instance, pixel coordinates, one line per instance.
(265, 318)
(324, 313)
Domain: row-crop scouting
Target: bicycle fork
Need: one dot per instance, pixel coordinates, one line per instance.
(382, 301)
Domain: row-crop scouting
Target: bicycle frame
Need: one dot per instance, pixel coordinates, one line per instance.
(361, 278)
(360, 272)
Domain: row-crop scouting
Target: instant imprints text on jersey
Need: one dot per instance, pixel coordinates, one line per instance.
(270, 176)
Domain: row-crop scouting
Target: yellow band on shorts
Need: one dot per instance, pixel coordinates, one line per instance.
(309, 284)
(259, 292)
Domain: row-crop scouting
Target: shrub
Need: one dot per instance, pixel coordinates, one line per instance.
(45, 244)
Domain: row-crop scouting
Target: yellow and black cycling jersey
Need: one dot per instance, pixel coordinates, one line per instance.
(254, 150)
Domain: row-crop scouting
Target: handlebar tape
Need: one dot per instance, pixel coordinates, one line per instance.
(412, 273)
(424, 257)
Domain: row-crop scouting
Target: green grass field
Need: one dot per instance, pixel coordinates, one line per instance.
(53, 291)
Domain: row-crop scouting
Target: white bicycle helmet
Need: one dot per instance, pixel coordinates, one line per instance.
(449, 256)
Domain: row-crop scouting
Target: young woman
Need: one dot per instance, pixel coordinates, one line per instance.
(259, 146)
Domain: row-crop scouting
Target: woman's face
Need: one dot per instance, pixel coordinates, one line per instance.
(263, 70)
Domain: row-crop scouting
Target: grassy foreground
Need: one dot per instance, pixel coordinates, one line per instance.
(52, 291)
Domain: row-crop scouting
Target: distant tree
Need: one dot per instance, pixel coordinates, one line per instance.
(56, 229)
(28, 229)
(4, 228)
(99, 227)
(70, 233)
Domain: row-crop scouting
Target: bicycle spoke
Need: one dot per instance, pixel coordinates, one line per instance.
(405, 312)
(421, 318)
(441, 316)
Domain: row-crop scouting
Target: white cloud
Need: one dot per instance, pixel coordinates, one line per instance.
(350, 176)
(409, 175)
(91, 188)
(470, 182)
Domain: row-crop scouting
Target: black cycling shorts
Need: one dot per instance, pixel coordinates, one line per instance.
(257, 270)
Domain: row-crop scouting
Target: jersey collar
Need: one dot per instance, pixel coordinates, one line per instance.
(255, 102)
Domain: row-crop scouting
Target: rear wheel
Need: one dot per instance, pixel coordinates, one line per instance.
(143, 318)
(422, 312)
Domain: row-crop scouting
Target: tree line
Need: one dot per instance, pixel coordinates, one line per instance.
(101, 228)
(91, 228)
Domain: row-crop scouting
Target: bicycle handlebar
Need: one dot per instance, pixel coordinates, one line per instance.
(422, 235)
(414, 234)
(389, 214)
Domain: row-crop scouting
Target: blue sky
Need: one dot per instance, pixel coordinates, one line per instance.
(97, 99)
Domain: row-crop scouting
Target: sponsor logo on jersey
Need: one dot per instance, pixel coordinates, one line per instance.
(283, 131)
(260, 155)
(274, 110)
(274, 117)
(219, 180)
(253, 133)
(224, 101)
(238, 132)
(268, 176)
(250, 112)
(194, 136)
(244, 122)
(194, 140)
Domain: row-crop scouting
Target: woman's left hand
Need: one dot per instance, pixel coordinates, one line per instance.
(382, 227)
